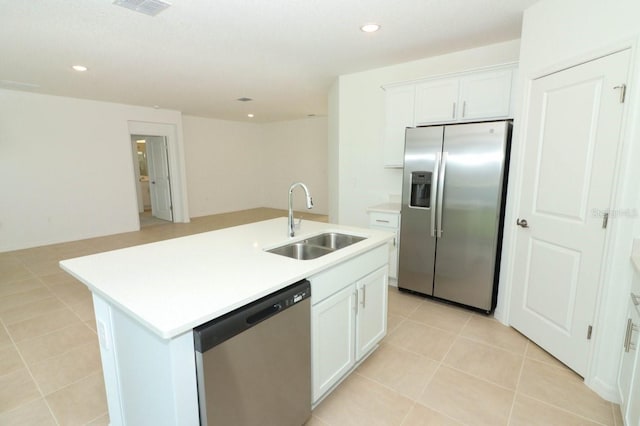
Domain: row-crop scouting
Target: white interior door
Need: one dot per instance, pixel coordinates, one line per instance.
(572, 137)
(159, 184)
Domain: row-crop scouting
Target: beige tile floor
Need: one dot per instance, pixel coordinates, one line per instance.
(442, 365)
(437, 365)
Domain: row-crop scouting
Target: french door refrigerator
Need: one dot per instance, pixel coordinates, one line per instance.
(452, 211)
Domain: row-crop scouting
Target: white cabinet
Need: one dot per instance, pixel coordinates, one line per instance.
(371, 312)
(485, 95)
(436, 101)
(348, 317)
(482, 95)
(333, 340)
(629, 374)
(470, 96)
(398, 116)
(381, 218)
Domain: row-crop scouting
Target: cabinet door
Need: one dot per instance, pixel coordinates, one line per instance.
(332, 340)
(629, 375)
(371, 322)
(399, 102)
(485, 95)
(436, 101)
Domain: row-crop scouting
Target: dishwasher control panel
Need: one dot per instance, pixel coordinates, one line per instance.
(301, 296)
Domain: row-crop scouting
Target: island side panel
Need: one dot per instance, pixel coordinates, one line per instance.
(149, 380)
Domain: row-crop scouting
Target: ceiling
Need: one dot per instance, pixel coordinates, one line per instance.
(199, 56)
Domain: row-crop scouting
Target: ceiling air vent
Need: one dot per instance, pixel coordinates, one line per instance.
(148, 7)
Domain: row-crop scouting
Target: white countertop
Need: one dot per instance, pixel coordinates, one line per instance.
(175, 285)
(385, 208)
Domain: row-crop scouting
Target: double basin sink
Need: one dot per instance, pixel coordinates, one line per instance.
(316, 246)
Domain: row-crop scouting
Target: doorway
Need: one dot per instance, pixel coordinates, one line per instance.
(153, 180)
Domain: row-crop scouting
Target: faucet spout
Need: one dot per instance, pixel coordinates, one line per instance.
(290, 223)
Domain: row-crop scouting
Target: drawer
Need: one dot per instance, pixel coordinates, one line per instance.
(390, 220)
(334, 279)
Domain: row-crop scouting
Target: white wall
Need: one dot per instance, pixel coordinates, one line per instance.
(236, 166)
(557, 34)
(362, 179)
(66, 168)
(333, 150)
(67, 173)
(295, 151)
(223, 162)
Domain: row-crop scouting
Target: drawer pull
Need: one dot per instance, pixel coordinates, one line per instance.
(382, 221)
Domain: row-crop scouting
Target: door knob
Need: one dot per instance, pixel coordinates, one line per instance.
(522, 222)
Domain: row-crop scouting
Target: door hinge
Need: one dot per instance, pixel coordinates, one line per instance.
(605, 220)
(589, 331)
(623, 92)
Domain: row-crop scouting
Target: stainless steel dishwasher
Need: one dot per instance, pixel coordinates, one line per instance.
(254, 364)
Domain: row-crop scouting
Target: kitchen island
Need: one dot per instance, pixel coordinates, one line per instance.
(148, 299)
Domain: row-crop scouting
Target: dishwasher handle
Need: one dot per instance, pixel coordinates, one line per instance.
(223, 328)
(264, 314)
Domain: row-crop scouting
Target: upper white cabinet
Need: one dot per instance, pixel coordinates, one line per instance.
(470, 96)
(436, 101)
(485, 95)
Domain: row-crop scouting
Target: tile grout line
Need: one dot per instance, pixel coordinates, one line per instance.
(564, 410)
(440, 364)
(35, 382)
(515, 391)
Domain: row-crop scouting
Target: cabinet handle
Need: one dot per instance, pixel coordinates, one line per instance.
(453, 113)
(631, 327)
(355, 305)
(464, 108)
(382, 221)
(364, 296)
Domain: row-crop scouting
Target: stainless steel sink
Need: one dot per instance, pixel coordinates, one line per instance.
(317, 246)
(334, 240)
(300, 251)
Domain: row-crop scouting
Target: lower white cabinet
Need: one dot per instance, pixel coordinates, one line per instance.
(381, 217)
(629, 374)
(371, 311)
(348, 323)
(333, 340)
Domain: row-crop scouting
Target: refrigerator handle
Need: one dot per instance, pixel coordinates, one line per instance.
(434, 189)
(443, 166)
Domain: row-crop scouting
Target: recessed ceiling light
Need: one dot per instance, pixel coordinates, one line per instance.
(370, 28)
(250, 115)
(80, 68)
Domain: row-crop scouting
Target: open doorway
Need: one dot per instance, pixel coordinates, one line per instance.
(153, 182)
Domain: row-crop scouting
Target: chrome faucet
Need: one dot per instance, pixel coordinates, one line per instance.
(290, 224)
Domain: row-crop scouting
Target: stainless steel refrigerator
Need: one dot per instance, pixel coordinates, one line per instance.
(452, 211)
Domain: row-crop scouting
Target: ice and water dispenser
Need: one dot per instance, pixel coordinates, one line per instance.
(420, 189)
